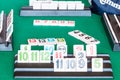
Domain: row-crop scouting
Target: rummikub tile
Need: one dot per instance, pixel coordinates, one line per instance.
(81, 65)
(54, 23)
(57, 55)
(50, 48)
(62, 48)
(33, 42)
(51, 41)
(58, 65)
(34, 56)
(37, 5)
(25, 47)
(91, 50)
(77, 48)
(45, 56)
(23, 56)
(69, 64)
(10, 19)
(62, 5)
(97, 65)
(71, 5)
(1, 21)
(43, 42)
(9, 32)
(71, 23)
(60, 41)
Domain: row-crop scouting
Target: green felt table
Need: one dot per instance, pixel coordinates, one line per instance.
(24, 29)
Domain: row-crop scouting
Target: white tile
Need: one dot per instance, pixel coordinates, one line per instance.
(1, 21)
(79, 6)
(60, 41)
(9, 32)
(38, 1)
(62, 5)
(37, 5)
(71, 5)
(63, 23)
(87, 39)
(58, 65)
(23, 56)
(97, 64)
(50, 48)
(33, 42)
(51, 41)
(45, 6)
(81, 65)
(91, 50)
(45, 23)
(71, 23)
(69, 65)
(94, 41)
(80, 54)
(49, 6)
(10, 19)
(31, 2)
(54, 6)
(34, 56)
(77, 48)
(25, 47)
(43, 42)
(62, 48)
(45, 56)
(54, 23)
(37, 22)
(57, 55)
(78, 2)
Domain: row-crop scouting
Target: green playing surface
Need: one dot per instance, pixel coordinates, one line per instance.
(24, 29)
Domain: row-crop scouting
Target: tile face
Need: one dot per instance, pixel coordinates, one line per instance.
(49, 6)
(63, 23)
(62, 48)
(45, 57)
(50, 48)
(97, 65)
(54, 23)
(69, 64)
(37, 5)
(62, 5)
(60, 41)
(1, 21)
(58, 65)
(9, 32)
(43, 42)
(46, 22)
(37, 22)
(81, 65)
(57, 55)
(33, 42)
(71, 5)
(25, 47)
(71, 23)
(77, 48)
(23, 56)
(79, 6)
(51, 41)
(91, 50)
(53, 6)
(10, 19)
(34, 56)
(80, 54)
